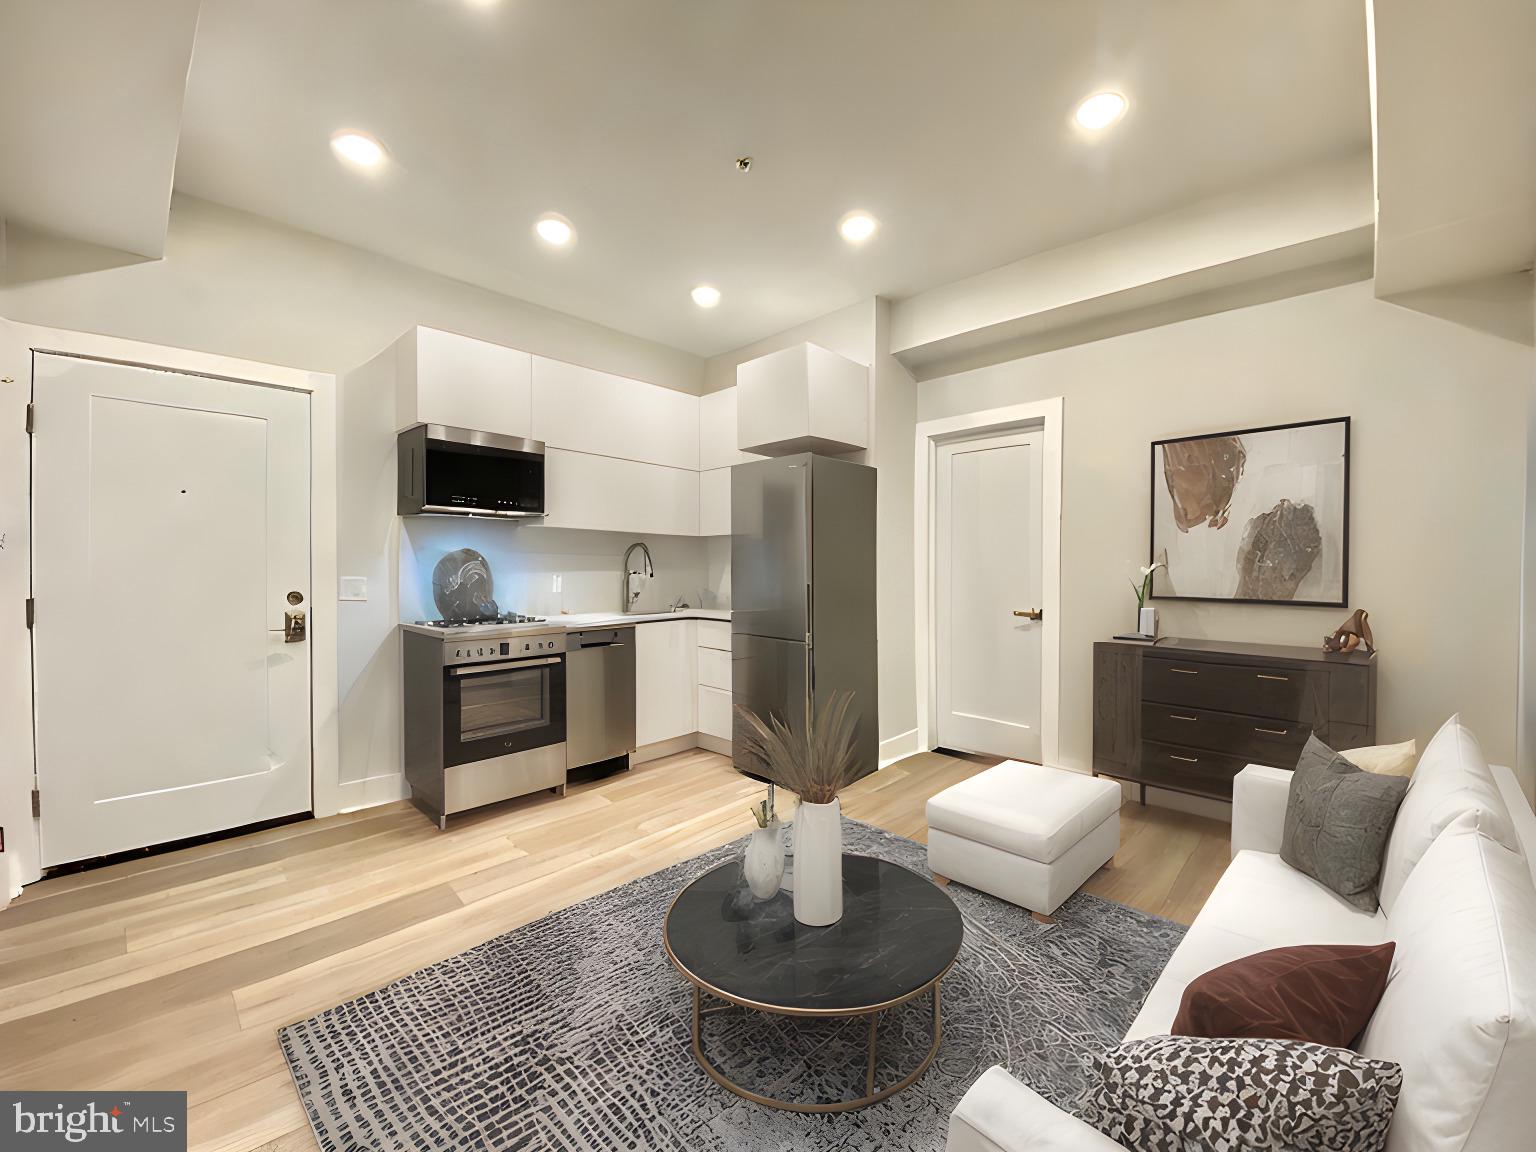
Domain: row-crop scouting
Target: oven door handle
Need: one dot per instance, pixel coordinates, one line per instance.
(505, 666)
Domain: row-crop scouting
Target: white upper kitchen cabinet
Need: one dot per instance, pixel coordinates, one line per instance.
(444, 378)
(586, 411)
(599, 492)
(666, 681)
(715, 502)
(717, 431)
(803, 398)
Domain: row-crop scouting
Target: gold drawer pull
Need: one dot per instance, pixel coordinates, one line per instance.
(1272, 731)
(1184, 671)
(1282, 679)
(1176, 716)
(1186, 759)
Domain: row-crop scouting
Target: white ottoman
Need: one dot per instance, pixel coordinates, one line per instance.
(1026, 833)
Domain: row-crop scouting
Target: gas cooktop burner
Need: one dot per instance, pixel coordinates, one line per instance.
(505, 618)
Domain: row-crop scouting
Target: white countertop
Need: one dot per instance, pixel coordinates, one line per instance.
(573, 621)
(618, 619)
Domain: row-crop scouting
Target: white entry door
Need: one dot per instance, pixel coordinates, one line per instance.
(170, 522)
(987, 579)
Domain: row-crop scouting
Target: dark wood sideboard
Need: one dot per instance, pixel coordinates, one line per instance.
(1187, 715)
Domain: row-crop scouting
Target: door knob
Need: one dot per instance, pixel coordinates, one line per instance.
(1031, 614)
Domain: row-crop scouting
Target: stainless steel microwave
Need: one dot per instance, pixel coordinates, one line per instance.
(459, 472)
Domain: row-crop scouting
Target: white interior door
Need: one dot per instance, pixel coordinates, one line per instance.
(987, 572)
(170, 523)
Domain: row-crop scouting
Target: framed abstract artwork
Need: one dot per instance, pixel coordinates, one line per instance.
(1257, 516)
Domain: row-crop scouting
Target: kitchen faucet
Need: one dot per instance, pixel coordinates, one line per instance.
(631, 586)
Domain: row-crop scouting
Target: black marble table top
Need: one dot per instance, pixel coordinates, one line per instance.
(899, 932)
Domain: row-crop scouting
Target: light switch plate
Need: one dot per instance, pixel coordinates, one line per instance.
(354, 588)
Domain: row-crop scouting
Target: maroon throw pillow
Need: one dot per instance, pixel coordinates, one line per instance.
(1316, 993)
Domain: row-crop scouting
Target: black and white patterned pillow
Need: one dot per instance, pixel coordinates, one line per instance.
(1188, 1094)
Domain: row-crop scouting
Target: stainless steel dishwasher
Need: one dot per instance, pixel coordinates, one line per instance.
(600, 695)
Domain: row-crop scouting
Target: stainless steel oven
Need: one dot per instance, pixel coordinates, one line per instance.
(502, 707)
(484, 716)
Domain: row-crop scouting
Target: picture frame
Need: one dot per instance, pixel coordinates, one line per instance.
(1253, 516)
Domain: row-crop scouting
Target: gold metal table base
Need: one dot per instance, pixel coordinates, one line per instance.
(871, 1095)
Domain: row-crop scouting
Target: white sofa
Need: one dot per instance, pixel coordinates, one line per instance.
(1459, 1013)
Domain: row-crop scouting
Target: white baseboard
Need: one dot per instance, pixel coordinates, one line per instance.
(714, 744)
(370, 792)
(665, 748)
(899, 747)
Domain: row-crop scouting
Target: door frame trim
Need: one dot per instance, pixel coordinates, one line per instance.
(327, 794)
(1045, 415)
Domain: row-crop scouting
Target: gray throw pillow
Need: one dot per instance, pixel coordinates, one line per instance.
(1337, 822)
(1188, 1094)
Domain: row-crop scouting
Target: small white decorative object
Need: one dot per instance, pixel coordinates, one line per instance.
(764, 865)
(1146, 617)
(819, 863)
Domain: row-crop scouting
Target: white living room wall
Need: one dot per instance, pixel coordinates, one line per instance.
(1526, 752)
(1438, 487)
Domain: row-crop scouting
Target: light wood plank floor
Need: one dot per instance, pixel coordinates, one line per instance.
(173, 971)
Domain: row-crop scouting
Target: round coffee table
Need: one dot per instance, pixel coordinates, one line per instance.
(899, 935)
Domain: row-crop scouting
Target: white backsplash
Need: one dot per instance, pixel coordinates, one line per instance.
(525, 560)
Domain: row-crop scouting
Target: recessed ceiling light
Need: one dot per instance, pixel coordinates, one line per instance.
(706, 296)
(357, 148)
(858, 227)
(555, 229)
(1101, 110)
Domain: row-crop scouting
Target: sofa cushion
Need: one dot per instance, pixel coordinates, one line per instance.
(1318, 993)
(1459, 1012)
(1259, 903)
(1026, 809)
(1337, 820)
(1452, 777)
(1179, 1093)
(1385, 759)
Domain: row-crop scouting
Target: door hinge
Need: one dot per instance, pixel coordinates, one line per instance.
(31, 418)
(37, 804)
(31, 611)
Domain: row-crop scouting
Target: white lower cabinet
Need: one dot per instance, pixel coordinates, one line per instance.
(715, 679)
(714, 668)
(714, 712)
(666, 681)
(612, 495)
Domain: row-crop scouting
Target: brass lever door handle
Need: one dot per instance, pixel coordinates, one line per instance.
(1031, 614)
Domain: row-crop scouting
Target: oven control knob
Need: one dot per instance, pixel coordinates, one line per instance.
(456, 652)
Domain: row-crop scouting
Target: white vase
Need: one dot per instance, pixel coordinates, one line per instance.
(1146, 621)
(819, 863)
(764, 865)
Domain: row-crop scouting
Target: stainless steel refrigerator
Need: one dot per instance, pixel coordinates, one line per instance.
(803, 593)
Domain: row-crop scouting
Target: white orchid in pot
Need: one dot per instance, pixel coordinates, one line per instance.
(815, 760)
(1146, 618)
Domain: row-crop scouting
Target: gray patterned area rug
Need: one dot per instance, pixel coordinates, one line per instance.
(572, 1033)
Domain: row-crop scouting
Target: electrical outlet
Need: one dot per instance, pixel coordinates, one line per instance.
(557, 583)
